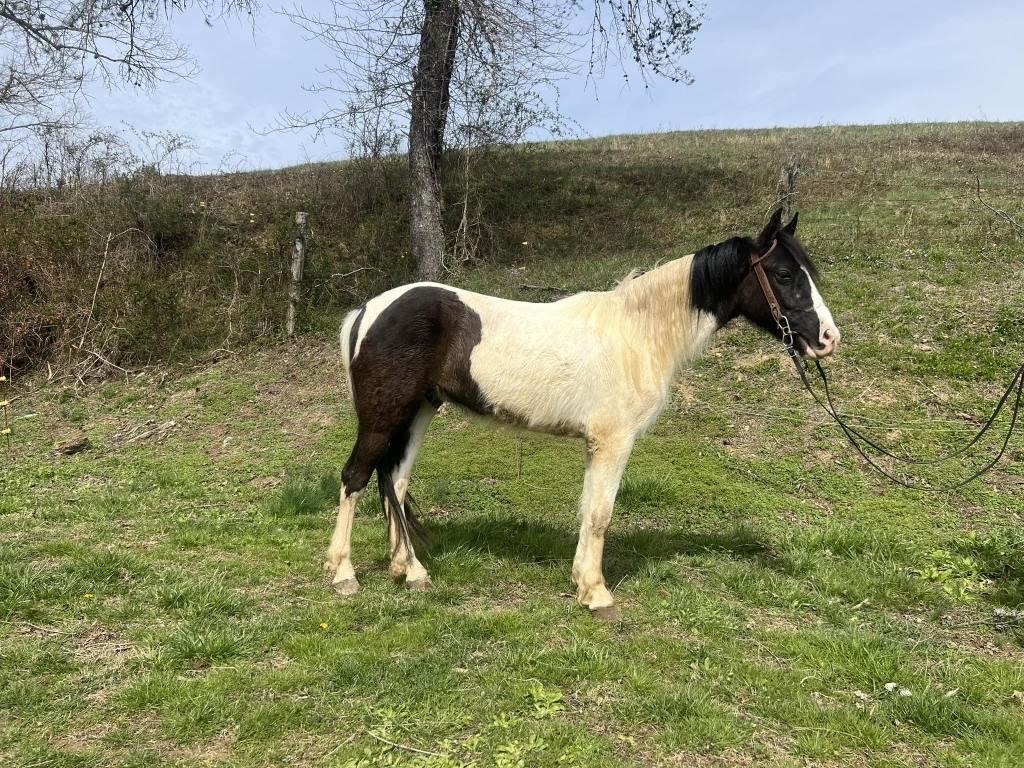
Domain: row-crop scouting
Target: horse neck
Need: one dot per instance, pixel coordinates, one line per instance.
(660, 307)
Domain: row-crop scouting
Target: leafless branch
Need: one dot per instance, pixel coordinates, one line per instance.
(406, 747)
(511, 56)
(49, 50)
(96, 290)
(1017, 228)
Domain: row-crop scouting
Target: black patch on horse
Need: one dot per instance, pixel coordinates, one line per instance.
(417, 351)
(418, 348)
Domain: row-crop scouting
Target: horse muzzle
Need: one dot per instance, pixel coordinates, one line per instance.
(827, 344)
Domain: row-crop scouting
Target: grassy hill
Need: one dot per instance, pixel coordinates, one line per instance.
(199, 263)
(161, 599)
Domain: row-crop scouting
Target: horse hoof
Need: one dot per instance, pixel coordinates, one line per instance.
(346, 587)
(330, 567)
(607, 613)
(420, 585)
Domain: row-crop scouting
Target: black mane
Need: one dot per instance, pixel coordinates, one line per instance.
(717, 270)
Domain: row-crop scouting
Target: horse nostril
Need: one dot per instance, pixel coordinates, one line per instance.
(829, 337)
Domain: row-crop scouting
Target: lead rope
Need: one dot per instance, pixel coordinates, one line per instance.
(859, 440)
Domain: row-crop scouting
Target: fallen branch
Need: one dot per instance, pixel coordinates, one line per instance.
(334, 751)
(406, 747)
(360, 269)
(550, 288)
(145, 431)
(998, 211)
(49, 630)
(104, 360)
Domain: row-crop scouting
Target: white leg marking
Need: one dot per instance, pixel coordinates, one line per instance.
(339, 553)
(606, 461)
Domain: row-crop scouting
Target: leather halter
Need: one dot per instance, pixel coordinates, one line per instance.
(773, 303)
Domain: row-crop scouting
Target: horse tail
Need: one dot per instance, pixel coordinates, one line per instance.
(406, 520)
(348, 338)
(419, 531)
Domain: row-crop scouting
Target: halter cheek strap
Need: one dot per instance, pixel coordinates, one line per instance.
(773, 303)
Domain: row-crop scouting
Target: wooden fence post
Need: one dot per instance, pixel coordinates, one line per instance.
(786, 189)
(298, 261)
(6, 428)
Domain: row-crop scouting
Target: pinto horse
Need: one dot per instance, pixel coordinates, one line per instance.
(596, 365)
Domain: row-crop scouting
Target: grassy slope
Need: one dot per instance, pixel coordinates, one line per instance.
(163, 601)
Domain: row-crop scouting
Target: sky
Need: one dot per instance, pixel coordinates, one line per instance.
(755, 64)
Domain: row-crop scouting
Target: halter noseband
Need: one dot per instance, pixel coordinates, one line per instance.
(773, 303)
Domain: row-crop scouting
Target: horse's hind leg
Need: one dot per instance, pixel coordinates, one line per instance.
(366, 453)
(339, 553)
(404, 449)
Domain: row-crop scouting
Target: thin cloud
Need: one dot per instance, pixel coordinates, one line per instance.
(756, 65)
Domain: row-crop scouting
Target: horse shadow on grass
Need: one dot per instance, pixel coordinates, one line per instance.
(632, 550)
(627, 552)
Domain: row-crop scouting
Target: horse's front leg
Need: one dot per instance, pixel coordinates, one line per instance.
(606, 461)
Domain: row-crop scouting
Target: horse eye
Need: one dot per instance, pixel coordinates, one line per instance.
(784, 276)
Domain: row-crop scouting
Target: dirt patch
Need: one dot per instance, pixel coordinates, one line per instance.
(101, 645)
(1005, 482)
(86, 738)
(757, 359)
(184, 397)
(730, 758)
(964, 629)
(213, 752)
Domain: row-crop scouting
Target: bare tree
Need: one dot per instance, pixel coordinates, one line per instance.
(49, 49)
(486, 69)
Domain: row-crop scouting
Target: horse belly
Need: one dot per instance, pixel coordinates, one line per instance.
(538, 373)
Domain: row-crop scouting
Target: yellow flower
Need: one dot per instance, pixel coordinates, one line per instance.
(88, 595)
(324, 625)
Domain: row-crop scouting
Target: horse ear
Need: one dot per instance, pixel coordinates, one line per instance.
(791, 226)
(772, 229)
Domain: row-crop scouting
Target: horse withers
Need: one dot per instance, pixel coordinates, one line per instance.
(596, 365)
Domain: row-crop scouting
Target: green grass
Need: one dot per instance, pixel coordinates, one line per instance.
(163, 602)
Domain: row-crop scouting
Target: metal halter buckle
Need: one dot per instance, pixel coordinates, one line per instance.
(787, 332)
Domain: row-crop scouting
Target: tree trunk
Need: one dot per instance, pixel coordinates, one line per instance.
(438, 40)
